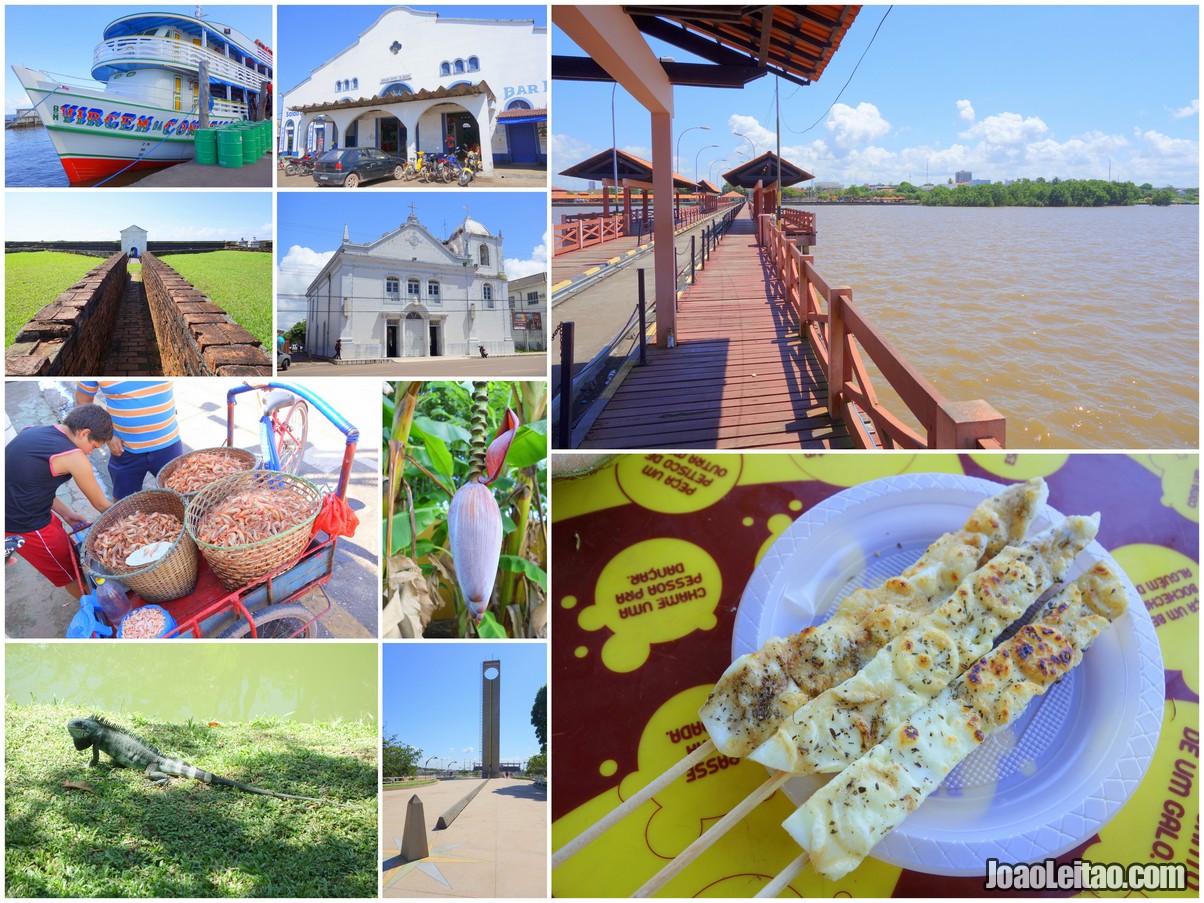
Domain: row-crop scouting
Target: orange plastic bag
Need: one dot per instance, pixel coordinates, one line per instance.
(336, 517)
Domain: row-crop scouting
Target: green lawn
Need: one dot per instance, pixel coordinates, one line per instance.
(32, 279)
(123, 836)
(240, 282)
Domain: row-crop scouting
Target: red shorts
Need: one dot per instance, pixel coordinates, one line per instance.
(50, 551)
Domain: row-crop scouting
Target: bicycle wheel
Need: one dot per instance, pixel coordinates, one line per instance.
(290, 429)
(273, 623)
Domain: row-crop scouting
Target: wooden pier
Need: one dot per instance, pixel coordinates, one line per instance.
(770, 356)
(740, 377)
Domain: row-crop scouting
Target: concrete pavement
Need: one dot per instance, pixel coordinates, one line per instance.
(601, 309)
(502, 177)
(533, 364)
(35, 609)
(496, 847)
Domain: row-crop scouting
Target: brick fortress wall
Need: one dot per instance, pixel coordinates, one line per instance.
(70, 336)
(195, 336)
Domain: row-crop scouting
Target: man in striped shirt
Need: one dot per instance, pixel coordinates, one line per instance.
(145, 432)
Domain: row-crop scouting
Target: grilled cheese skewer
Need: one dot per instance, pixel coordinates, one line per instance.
(843, 821)
(759, 691)
(841, 724)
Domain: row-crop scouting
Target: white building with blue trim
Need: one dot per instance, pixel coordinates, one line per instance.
(413, 78)
(408, 295)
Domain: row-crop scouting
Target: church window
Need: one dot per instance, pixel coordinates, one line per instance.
(413, 287)
(474, 64)
(487, 295)
(432, 290)
(445, 68)
(459, 66)
(484, 255)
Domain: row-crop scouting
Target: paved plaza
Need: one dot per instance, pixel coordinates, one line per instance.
(496, 847)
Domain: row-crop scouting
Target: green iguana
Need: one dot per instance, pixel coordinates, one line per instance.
(129, 752)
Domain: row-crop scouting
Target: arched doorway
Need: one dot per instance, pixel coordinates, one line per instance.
(376, 128)
(290, 137)
(323, 135)
(415, 339)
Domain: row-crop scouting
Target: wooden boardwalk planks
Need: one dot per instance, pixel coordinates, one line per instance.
(740, 376)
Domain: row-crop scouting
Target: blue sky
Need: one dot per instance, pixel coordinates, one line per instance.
(62, 42)
(310, 35)
(165, 215)
(311, 229)
(1005, 92)
(431, 696)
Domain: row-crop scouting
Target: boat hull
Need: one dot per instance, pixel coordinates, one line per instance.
(96, 135)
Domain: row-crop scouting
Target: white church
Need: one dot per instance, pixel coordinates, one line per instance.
(413, 78)
(409, 295)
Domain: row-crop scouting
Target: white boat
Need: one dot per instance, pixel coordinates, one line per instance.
(145, 110)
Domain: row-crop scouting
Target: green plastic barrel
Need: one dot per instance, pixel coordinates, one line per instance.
(229, 148)
(206, 146)
(250, 144)
(265, 134)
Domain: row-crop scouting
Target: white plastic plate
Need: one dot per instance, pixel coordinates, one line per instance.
(1046, 783)
(144, 555)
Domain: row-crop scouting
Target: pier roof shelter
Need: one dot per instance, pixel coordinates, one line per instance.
(708, 195)
(736, 44)
(631, 172)
(761, 175)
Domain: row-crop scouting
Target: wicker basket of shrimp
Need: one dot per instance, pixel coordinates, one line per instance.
(141, 541)
(252, 524)
(192, 472)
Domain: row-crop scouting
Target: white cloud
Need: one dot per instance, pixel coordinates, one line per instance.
(763, 139)
(856, 126)
(516, 267)
(1192, 109)
(1006, 128)
(965, 111)
(294, 273)
(565, 151)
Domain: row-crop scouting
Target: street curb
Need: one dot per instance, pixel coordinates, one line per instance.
(449, 816)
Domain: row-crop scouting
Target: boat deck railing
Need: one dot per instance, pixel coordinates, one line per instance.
(841, 339)
(149, 50)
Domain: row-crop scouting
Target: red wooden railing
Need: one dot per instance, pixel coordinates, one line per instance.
(840, 335)
(583, 230)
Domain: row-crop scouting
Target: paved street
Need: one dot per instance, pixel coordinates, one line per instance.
(502, 177)
(33, 608)
(494, 366)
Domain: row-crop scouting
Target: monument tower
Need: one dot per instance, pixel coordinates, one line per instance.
(491, 708)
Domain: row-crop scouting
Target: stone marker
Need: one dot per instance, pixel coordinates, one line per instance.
(413, 838)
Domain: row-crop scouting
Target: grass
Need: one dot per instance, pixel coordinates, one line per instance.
(240, 282)
(32, 279)
(127, 837)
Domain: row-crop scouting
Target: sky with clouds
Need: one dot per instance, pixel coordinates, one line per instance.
(88, 215)
(311, 229)
(1005, 92)
(431, 696)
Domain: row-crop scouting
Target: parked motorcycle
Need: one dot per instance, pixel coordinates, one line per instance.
(301, 166)
(470, 168)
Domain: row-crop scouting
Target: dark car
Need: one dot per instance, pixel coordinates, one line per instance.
(349, 166)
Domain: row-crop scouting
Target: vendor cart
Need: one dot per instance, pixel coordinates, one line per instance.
(268, 606)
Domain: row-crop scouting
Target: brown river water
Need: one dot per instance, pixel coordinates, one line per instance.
(1081, 326)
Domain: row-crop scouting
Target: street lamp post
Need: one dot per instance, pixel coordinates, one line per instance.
(677, 157)
(711, 172)
(699, 154)
(752, 146)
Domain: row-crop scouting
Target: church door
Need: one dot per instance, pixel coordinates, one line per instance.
(391, 339)
(415, 338)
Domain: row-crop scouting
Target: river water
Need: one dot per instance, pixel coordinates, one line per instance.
(1081, 326)
(30, 161)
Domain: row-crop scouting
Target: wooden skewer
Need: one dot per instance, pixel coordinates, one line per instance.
(788, 874)
(712, 834)
(604, 824)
